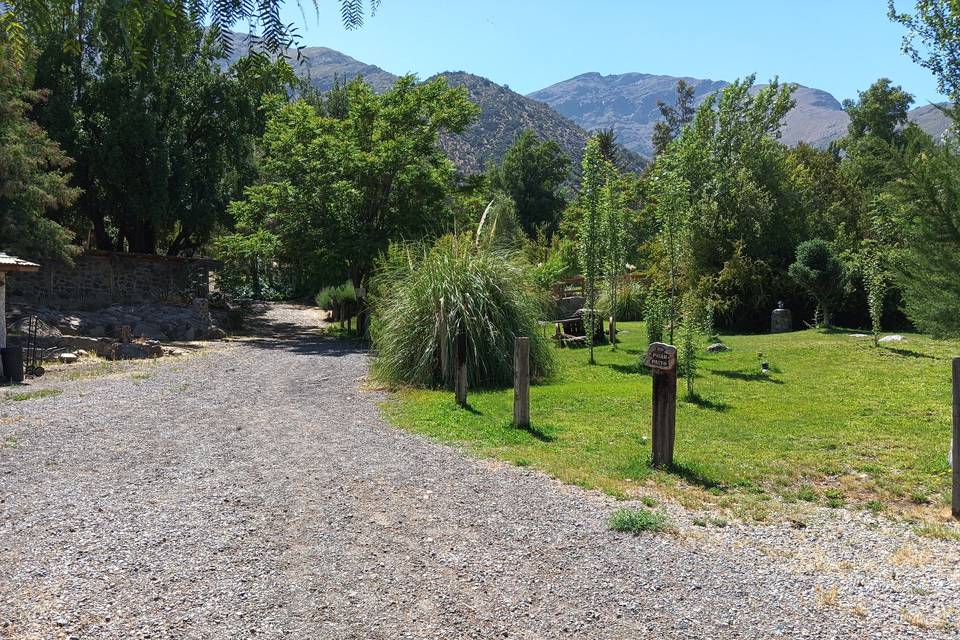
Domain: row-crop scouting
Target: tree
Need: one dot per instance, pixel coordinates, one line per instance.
(162, 137)
(34, 172)
(880, 111)
(674, 118)
(672, 216)
(738, 188)
(22, 17)
(614, 250)
(928, 267)
(532, 172)
(818, 270)
(335, 192)
(936, 24)
(609, 148)
(591, 231)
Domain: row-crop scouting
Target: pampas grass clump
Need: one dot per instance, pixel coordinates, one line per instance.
(424, 295)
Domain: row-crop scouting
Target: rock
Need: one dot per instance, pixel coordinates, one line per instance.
(68, 358)
(214, 333)
(893, 338)
(859, 335)
(135, 350)
(781, 321)
(44, 329)
(717, 347)
(83, 353)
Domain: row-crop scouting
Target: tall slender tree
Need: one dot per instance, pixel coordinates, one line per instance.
(591, 231)
(614, 250)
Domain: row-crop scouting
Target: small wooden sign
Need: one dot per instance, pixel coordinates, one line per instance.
(660, 356)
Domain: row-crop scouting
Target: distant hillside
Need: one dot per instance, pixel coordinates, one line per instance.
(628, 103)
(320, 65)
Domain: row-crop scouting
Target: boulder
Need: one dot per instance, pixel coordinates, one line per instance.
(717, 347)
(214, 333)
(893, 338)
(68, 358)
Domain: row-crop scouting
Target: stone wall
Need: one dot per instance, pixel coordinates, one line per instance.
(100, 278)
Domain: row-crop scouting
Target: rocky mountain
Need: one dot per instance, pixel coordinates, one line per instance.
(628, 103)
(504, 114)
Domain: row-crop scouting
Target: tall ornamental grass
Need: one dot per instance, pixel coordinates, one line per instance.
(425, 294)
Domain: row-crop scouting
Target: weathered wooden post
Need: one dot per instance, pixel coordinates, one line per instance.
(955, 444)
(613, 332)
(460, 364)
(662, 362)
(521, 382)
(444, 347)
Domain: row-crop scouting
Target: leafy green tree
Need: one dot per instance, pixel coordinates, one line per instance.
(739, 187)
(591, 231)
(334, 192)
(928, 267)
(34, 172)
(675, 118)
(936, 24)
(532, 172)
(163, 138)
(821, 273)
(23, 17)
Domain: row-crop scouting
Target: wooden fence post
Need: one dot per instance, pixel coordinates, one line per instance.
(955, 444)
(521, 382)
(662, 361)
(444, 347)
(460, 364)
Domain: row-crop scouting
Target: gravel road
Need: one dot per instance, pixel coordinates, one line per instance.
(253, 490)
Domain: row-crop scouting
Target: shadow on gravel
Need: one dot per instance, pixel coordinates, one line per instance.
(265, 329)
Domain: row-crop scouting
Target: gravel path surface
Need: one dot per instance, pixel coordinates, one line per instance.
(253, 491)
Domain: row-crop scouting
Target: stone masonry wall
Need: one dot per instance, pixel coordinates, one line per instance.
(102, 278)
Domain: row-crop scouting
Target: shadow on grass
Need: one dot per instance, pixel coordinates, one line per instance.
(541, 434)
(470, 408)
(705, 403)
(629, 369)
(694, 476)
(907, 353)
(753, 376)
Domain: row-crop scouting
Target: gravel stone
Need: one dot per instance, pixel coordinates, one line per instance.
(253, 490)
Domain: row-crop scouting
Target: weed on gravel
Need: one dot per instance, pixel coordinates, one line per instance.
(34, 395)
(637, 521)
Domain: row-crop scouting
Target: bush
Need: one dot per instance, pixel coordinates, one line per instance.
(341, 301)
(819, 271)
(630, 302)
(423, 295)
(656, 311)
(637, 521)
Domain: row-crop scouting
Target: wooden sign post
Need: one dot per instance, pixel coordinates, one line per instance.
(662, 362)
(521, 383)
(955, 444)
(460, 368)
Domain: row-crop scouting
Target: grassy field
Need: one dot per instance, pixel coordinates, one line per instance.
(836, 422)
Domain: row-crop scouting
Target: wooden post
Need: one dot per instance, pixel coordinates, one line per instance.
(955, 444)
(613, 332)
(460, 364)
(444, 347)
(662, 361)
(521, 382)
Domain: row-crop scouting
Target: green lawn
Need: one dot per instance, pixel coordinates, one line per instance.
(836, 422)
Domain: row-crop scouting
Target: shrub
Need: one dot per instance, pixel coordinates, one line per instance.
(629, 303)
(819, 271)
(637, 521)
(342, 301)
(423, 295)
(656, 311)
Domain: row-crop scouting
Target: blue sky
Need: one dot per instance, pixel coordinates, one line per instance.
(840, 46)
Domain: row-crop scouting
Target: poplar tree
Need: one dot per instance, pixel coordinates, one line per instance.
(614, 244)
(591, 231)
